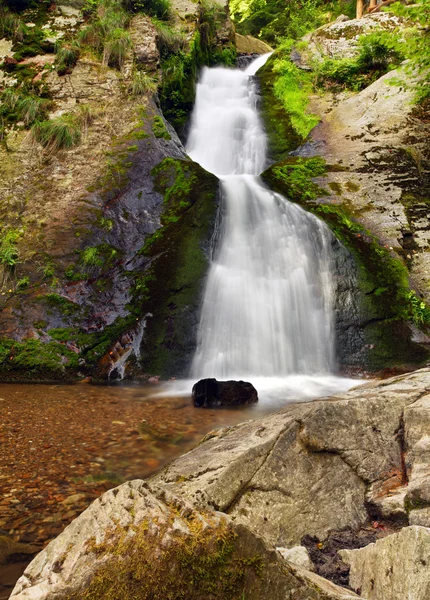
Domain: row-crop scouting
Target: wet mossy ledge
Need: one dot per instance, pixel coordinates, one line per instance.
(171, 289)
(387, 304)
(213, 560)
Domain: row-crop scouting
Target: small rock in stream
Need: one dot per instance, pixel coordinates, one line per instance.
(208, 393)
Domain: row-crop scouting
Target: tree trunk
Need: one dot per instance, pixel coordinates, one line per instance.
(359, 13)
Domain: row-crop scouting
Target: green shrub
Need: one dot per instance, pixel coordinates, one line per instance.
(156, 8)
(418, 43)
(379, 51)
(23, 283)
(18, 106)
(93, 35)
(11, 26)
(169, 41)
(107, 34)
(91, 257)
(116, 46)
(142, 83)
(61, 133)
(67, 55)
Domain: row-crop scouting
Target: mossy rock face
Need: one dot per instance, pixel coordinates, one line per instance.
(281, 134)
(178, 254)
(372, 282)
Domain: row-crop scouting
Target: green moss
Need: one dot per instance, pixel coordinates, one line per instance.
(294, 175)
(159, 128)
(210, 560)
(9, 254)
(62, 304)
(336, 187)
(33, 357)
(351, 186)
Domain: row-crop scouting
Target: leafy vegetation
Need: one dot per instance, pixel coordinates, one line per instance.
(142, 83)
(160, 9)
(418, 43)
(9, 254)
(275, 20)
(67, 55)
(106, 33)
(378, 52)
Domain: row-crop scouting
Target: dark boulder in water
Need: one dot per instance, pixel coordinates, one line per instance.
(208, 393)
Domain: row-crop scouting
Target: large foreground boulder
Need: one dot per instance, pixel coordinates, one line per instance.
(314, 467)
(394, 568)
(141, 542)
(208, 393)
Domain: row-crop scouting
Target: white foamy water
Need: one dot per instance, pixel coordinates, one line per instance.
(267, 313)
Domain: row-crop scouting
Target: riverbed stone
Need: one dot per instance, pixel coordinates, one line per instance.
(393, 568)
(298, 555)
(211, 392)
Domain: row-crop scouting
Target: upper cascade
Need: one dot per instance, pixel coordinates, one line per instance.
(267, 308)
(227, 136)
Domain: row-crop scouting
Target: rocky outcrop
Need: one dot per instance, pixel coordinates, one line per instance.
(340, 39)
(111, 237)
(246, 44)
(393, 568)
(210, 392)
(373, 196)
(138, 541)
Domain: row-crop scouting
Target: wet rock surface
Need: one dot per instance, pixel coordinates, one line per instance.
(209, 393)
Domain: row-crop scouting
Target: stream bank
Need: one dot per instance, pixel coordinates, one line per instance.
(62, 446)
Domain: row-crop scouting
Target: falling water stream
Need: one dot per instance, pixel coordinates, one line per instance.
(267, 312)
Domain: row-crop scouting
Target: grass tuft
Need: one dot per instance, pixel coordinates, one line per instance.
(67, 57)
(142, 83)
(61, 133)
(116, 46)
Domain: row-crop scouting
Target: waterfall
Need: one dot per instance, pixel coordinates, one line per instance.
(267, 311)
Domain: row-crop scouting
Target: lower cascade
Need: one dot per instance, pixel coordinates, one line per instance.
(267, 308)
